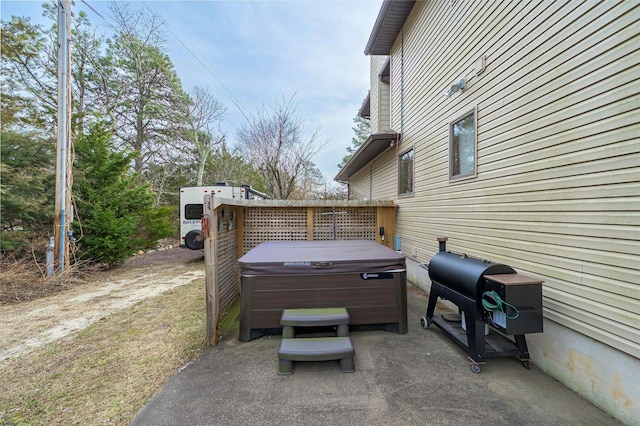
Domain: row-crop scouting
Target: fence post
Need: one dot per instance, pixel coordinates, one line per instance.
(210, 227)
(310, 223)
(385, 217)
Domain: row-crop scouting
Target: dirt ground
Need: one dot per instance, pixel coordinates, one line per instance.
(33, 324)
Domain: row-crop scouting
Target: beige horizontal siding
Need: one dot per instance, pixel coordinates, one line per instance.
(360, 184)
(375, 94)
(378, 185)
(384, 179)
(557, 194)
(384, 107)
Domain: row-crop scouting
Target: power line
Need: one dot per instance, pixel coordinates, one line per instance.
(234, 100)
(98, 13)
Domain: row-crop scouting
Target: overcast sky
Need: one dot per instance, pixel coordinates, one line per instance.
(262, 51)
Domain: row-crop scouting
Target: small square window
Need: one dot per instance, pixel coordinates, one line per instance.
(193, 211)
(462, 146)
(405, 173)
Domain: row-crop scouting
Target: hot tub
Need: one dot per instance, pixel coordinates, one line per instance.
(365, 277)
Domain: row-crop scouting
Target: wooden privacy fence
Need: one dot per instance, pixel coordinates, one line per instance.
(232, 228)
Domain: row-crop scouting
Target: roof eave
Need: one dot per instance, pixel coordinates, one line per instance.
(371, 148)
(365, 108)
(388, 24)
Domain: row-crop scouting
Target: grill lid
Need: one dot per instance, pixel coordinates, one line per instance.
(462, 273)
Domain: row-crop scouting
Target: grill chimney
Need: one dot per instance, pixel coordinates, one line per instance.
(442, 243)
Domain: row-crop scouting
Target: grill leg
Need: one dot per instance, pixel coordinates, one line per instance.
(521, 342)
(433, 298)
(475, 337)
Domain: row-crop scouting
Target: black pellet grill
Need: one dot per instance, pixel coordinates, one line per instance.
(512, 305)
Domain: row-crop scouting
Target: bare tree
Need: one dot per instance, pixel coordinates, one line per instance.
(310, 185)
(203, 114)
(335, 191)
(275, 142)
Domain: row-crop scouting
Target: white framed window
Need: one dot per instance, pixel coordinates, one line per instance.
(462, 146)
(405, 173)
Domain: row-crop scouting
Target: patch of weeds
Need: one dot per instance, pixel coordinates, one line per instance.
(230, 319)
(32, 403)
(51, 349)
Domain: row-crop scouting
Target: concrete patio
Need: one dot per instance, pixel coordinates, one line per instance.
(420, 378)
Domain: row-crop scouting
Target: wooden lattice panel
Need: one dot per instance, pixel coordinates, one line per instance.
(273, 224)
(344, 224)
(227, 261)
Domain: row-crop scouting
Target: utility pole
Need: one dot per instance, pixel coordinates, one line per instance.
(63, 165)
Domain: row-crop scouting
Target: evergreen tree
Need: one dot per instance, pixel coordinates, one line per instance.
(114, 212)
(29, 78)
(27, 187)
(362, 131)
(28, 73)
(228, 165)
(147, 96)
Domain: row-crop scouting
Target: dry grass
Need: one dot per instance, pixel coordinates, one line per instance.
(23, 279)
(106, 373)
(23, 271)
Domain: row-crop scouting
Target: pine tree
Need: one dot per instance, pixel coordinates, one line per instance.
(26, 187)
(362, 131)
(112, 208)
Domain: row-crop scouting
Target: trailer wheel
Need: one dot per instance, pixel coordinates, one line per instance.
(425, 322)
(190, 240)
(475, 368)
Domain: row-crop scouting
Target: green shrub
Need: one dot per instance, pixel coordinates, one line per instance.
(13, 240)
(116, 215)
(156, 224)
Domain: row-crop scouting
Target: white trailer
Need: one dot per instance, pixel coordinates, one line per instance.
(191, 207)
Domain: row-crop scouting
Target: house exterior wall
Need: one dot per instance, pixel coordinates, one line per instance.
(384, 175)
(381, 185)
(360, 185)
(377, 180)
(557, 190)
(380, 104)
(384, 106)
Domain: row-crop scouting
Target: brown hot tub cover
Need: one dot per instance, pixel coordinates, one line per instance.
(320, 257)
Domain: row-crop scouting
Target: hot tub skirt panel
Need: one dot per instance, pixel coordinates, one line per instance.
(377, 300)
